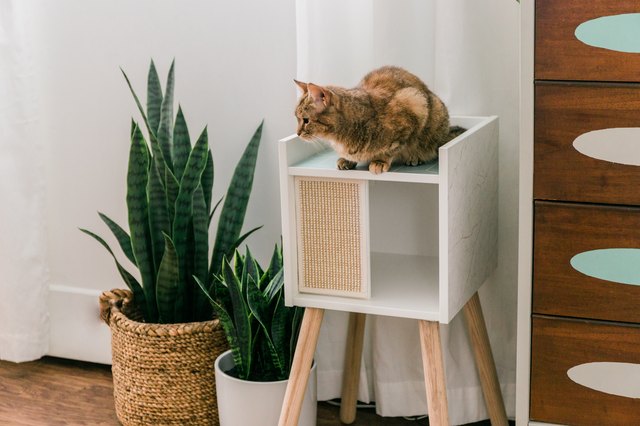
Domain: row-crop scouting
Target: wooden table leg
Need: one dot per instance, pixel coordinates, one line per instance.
(484, 361)
(301, 366)
(434, 377)
(351, 373)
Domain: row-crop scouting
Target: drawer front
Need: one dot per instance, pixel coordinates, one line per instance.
(587, 143)
(587, 261)
(598, 40)
(584, 372)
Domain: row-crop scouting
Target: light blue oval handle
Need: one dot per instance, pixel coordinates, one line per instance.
(620, 33)
(618, 265)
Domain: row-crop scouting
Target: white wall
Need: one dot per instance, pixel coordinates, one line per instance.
(234, 66)
(235, 62)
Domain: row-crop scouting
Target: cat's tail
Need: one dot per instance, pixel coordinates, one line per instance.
(454, 132)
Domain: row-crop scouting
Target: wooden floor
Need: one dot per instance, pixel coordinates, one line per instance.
(53, 391)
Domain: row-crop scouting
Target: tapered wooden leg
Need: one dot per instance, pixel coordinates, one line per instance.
(351, 374)
(434, 377)
(484, 361)
(301, 366)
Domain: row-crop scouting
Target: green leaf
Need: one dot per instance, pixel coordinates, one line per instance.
(158, 214)
(275, 265)
(165, 135)
(133, 284)
(214, 209)
(201, 250)
(137, 207)
(124, 240)
(154, 98)
(241, 316)
(135, 97)
(207, 181)
(236, 200)
(184, 201)
(259, 306)
(167, 295)
(275, 285)
(229, 330)
(181, 145)
(279, 332)
(172, 187)
(298, 313)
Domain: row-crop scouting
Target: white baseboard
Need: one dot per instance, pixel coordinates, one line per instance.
(76, 329)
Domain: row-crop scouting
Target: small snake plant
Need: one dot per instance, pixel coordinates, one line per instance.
(249, 302)
(169, 191)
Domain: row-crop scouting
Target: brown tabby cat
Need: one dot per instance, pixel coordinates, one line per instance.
(391, 115)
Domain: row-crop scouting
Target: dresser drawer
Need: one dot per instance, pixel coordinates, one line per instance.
(587, 143)
(584, 372)
(598, 40)
(587, 261)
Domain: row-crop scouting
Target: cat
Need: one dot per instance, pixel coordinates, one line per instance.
(391, 115)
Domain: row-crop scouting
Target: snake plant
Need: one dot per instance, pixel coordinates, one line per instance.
(249, 302)
(169, 192)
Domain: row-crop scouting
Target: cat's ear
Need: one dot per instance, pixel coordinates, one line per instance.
(321, 96)
(302, 86)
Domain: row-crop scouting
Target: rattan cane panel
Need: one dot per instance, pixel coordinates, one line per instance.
(330, 232)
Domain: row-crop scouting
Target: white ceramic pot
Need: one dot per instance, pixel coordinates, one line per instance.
(244, 403)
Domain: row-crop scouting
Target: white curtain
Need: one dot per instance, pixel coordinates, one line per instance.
(23, 275)
(467, 53)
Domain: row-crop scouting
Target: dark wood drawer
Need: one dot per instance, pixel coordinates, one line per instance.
(570, 45)
(580, 369)
(603, 121)
(591, 237)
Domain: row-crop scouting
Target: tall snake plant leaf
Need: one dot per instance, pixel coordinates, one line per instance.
(167, 283)
(241, 316)
(165, 134)
(158, 214)
(137, 100)
(132, 283)
(236, 200)
(158, 155)
(184, 201)
(139, 217)
(154, 98)
(259, 306)
(181, 145)
(207, 181)
(201, 250)
(124, 240)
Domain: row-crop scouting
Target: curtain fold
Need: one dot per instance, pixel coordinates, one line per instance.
(467, 53)
(23, 274)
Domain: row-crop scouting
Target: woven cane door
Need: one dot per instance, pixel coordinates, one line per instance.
(332, 236)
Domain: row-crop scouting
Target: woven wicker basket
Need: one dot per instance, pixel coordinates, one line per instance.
(163, 374)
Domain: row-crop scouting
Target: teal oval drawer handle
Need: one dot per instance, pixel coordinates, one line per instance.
(614, 378)
(620, 33)
(618, 265)
(616, 145)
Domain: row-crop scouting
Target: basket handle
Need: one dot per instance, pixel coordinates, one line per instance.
(114, 301)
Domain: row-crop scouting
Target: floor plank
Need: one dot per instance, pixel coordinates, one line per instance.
(57, 392)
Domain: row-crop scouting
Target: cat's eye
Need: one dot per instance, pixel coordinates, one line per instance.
(305, 120)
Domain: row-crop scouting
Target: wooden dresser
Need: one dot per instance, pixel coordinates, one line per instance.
(579, 259)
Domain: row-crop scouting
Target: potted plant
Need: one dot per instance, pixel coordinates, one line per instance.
(262, 333)
(164, 337)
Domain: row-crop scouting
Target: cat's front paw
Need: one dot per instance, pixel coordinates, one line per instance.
(379, 166)
(344, 164)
